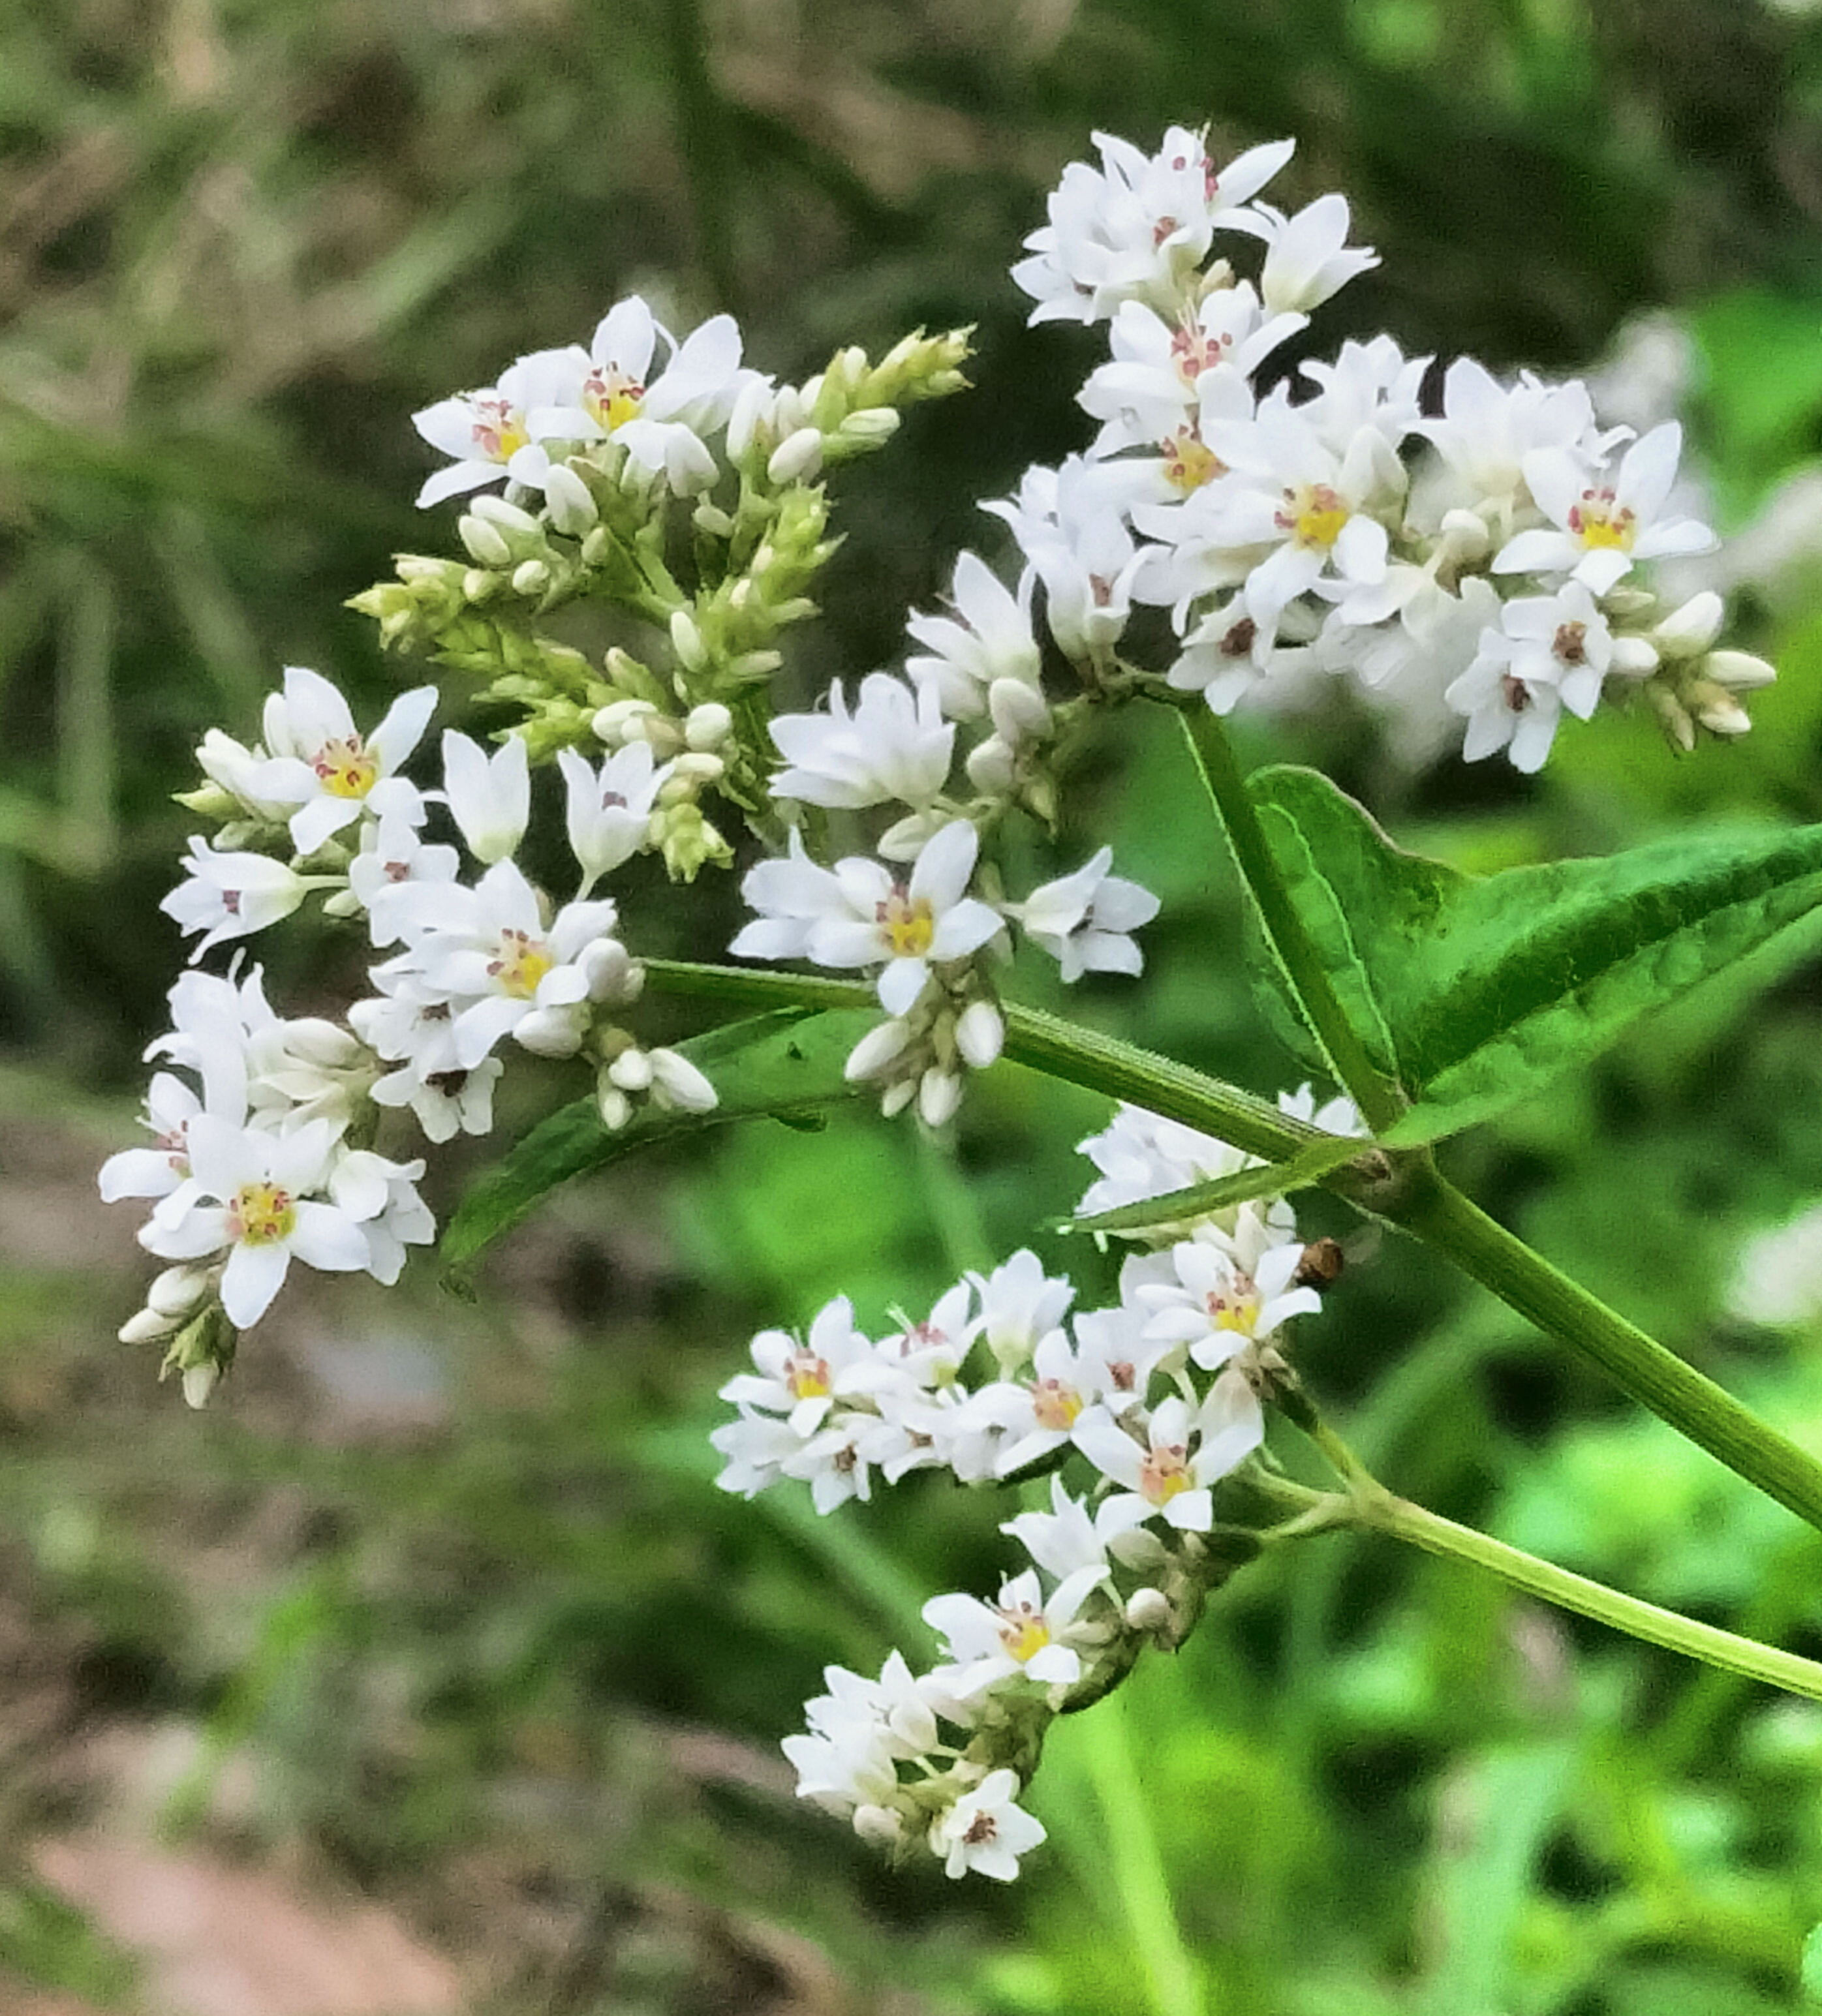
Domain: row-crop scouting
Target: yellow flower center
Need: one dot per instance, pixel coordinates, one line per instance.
(346, 769)
(1313, 515)
(499, 430)
(808, 1376)
(261, 1214)
(612, 397)
(1023, 1632)
(520, 963)
(1189, 462)
(906, 924)
(1164, 1473)
(1599, 520)
(1055, 1405)
(1236, 1308)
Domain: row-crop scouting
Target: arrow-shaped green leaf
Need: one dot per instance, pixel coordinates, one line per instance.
(1476, 991)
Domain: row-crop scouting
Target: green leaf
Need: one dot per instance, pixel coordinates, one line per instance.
(1319, 1159)
(1475, 992)
(784, 1063)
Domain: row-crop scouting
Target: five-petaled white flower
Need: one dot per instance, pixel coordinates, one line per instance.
(319, 762)
(1084, 920)
(859, 914)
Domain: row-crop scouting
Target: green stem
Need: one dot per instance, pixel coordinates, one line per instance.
(1692, 1403)
(1376, 1095)
(1138, 1873)
(1414, 1198)
(1380, 1510)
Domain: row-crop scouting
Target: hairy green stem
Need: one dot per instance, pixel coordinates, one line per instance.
(1414, 1197)
(1375, 1095)
(1692, 1403)
(1381, 1512)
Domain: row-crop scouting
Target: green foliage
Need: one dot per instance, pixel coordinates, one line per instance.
(1474, 993)
(785, 1065)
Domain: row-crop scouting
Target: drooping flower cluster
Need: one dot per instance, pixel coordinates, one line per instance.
(1153, 1401)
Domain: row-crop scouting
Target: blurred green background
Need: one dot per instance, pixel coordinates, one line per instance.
(437, 1606)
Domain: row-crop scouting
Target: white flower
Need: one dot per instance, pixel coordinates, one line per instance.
(1167, 377)
(1307, 257)
(1136, 229)
(395, 858)
(894, 745)
(988, 638)
(1035, 1415)
(660, 421)
(1070, 524)
(857, 914)
(1083, 920)
(1550, 652)
(609, 811)
(252, 1196)
(1487, 429)
(230, 895)
(319, 763)
(986, 1830)
(802, 1381)
(156, 1171)
(1068, 1540)
(489, 432)
(485, 951)
(1229, 652)
(1230, 1290)
(1019, 1304)
(1601, 528)
(1024, 1635)
(1181, 1456)
(489, 796)
(1308, 509)
(381, 1197)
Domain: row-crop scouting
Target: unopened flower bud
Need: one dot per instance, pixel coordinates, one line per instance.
(1465, 537)
(1739, 670)
(530, 577)
(939, 1092)
(508, 517)
(872, 427)
(147, 1326)
(686, 641)
(1147, 1610)
(609, 969)
(199, 1382)
(571, 502)
(797, 458)
(482, 541)
(614, 1105)
(878, 1826)
(991, 767)
(981, 1035)
(622, 721)
(877, 1049)
(708, 726)
(176, 1291)
(478, 584)
(677, 1082)
(1020, 711)
(631, 1070)
(1688, 631)
(1716, 709)
(897, 1096)
(712, 520)
(552, 1032)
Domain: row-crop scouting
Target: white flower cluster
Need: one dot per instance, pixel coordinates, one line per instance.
(1486, 555)
(264, 1154)
(1153, 1401)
